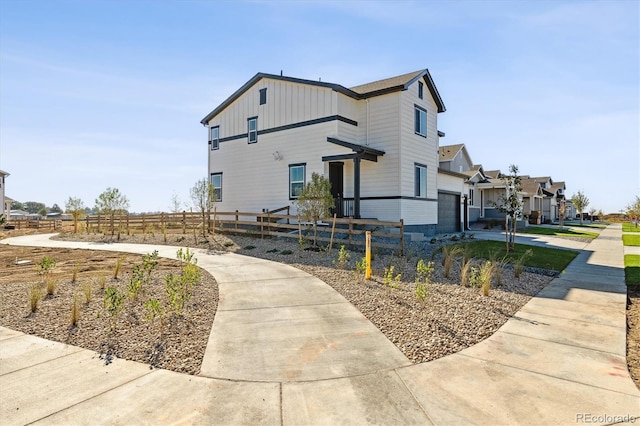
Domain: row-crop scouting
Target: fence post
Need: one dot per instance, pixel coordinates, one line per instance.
(268, 223)
(99, 227)
(350, 233)
(184, 222)
(401, 237)
(236, 220)
(261, 227)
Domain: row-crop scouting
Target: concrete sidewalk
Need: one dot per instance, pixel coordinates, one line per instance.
(287, 349)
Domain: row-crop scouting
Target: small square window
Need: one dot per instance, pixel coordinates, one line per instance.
(252, 129)
(296, 179)
(420, 181)
(420, 121)
(216, 182)
(420, 90)
(263, 96)
(214, 137)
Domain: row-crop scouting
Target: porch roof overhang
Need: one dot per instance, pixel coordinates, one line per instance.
(359, 151)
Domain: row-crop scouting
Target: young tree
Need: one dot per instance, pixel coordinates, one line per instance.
(315, 202)
(633, 210)
(176, 204)
(202, 195)
(581, 202)
(592, 213)
(75, 207)
(110, 203)
(511, 204)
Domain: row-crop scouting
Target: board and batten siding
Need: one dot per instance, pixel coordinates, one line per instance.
(287, 103)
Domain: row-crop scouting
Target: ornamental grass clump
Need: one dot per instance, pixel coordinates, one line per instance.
(449, 255)
(520, 263)
(465, 271)
(35, 294)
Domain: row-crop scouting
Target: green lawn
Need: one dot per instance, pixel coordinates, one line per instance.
(631, 239)
(547, 258)
(630, 227)
(632, 269)
(586, 225)
(557, 232)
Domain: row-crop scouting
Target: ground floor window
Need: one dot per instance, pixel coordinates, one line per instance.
(297, 174)
(216, 182)
(420, 181)
(471, 197)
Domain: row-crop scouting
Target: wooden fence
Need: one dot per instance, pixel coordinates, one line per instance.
(273, 223)
(35, 224)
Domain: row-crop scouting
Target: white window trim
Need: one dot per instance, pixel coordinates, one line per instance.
(419, 185)
(215, 142)
(215, 187)
(418, 111)
(254, 131)
(304, 178)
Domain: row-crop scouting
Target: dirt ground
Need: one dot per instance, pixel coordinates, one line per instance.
(178, 345)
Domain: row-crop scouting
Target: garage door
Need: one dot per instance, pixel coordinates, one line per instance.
(448, 213)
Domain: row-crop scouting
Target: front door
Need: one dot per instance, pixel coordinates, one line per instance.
(336, 178)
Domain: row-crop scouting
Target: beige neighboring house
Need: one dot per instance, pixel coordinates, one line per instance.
(4, 209)
(458, 177)
(554, 195)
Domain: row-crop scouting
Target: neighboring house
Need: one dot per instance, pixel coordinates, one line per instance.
(458, 178)
(532, 197)
(4, 210)
(377, 143)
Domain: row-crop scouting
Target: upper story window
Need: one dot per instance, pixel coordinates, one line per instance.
(263, 96)
(216, 182)
(420, 125)
(420, 180)
(252, 129)
(420, 90)
(214, 137)
(296, 179)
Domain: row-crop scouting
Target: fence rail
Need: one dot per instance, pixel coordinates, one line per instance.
(35, 224)
(385, 234)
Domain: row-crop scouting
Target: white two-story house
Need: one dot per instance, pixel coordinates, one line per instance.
(377, 143)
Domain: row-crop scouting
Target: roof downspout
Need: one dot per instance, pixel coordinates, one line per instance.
(367, 136)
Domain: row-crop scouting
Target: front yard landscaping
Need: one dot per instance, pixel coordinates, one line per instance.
(630, 227)
(631, 239)
(632, 269)
(541, 257)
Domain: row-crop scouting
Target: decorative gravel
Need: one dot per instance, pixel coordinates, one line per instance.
(451, 319)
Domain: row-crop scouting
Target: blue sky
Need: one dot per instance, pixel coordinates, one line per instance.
(97, 94)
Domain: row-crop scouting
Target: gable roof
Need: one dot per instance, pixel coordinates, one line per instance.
(530, 186)
(398, 83)
(364, 91)
(3, 173)
(494, 174)
(449, 152)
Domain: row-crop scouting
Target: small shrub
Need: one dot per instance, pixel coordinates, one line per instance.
(228, 244)
(286, 252)
(343, 258)
(178, 287)
(35, 294)
(424, 271)
(391, 280)
(249, 247)
(113, 304)
(361, 266)
(273, 250)
(45, 266)
(422, 289)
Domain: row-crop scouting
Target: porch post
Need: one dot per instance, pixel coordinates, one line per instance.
(356, 187)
